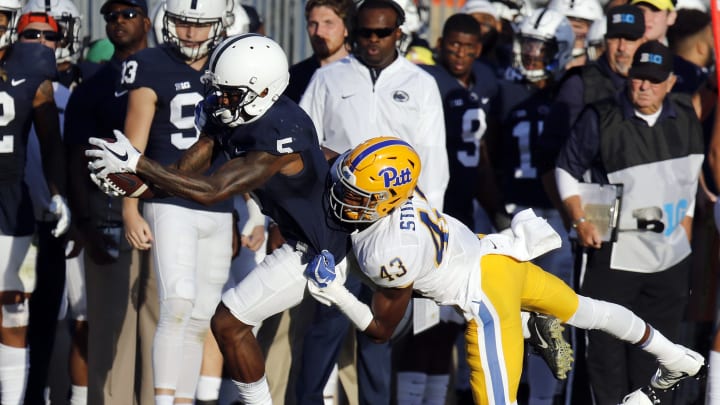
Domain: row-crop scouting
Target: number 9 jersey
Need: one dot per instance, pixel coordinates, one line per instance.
(178, 89)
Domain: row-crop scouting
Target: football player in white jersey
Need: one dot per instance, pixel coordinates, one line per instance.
(404, 246)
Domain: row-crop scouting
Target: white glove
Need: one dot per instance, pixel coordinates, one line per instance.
(58, 207)
(105, 186)
(112, 157)
(336, 294)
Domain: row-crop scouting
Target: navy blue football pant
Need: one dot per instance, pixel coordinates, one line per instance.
(321, 347)
(44, 308)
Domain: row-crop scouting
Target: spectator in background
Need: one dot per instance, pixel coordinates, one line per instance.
(28, 99)
(583, 85)
(121, 296)
(691, 40)
(659, 16)
(581, 14)
(54, 26)
(491, 26)
(650, 141)
(328, 27)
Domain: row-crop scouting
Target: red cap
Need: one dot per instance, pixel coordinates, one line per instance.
(28, 18)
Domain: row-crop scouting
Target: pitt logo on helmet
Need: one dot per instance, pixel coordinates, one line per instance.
(391, 178)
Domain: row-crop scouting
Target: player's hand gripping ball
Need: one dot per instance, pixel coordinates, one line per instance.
(118, 183)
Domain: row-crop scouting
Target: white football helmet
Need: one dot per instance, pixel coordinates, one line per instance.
(68, 17)
(247, 73)
(217, 13)
(547, 37)
(241, 21)
(13, 9)
(589, 10)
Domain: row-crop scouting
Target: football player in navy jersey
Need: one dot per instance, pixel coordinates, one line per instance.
(274, 152)
(26, 95)
(467, 87)
(542, 48)
(191, 242)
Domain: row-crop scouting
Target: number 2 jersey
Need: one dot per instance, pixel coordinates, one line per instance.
(25, 67)
(178, 89)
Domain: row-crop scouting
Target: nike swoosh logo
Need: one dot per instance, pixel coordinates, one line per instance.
(346, 96)
(543, 344)
(14, 82)
(123, 157)
(119, 94)
(320, 280)
(493, 243)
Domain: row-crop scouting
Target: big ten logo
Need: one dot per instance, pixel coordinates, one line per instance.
(623, 18)
(392, 178)
(647, 57)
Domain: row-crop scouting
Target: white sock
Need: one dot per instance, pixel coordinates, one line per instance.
(660, 347)
(411, 387)
(524, 318)
(713, 379)
(164, 399)
(78, 395)
(436, 389)
(255, 393)
(14, 365)
(208, 388)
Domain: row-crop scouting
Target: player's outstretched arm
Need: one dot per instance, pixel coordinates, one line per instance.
(239, 175)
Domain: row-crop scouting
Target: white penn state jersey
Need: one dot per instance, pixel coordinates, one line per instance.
(418, 245)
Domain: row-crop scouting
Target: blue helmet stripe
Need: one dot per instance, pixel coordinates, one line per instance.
(373, 148)
(193, 4)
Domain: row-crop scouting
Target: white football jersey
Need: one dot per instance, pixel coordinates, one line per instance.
(417, 245)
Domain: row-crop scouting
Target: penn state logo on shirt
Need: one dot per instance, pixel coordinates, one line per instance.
(400, 96)
(393, 178)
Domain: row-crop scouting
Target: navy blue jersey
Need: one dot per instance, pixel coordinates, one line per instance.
(298, 203)
(178, 89)
(461, 108)
(96, 107)
(523, 112)
(26, 66)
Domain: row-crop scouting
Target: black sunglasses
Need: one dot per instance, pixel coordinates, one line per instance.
(127, 14)
(379, 32)
(36, 34)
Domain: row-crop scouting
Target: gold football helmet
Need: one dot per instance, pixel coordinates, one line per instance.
(372, 179)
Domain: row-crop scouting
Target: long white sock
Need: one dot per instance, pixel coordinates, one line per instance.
(78, 395)
(254, 393)
(659, 346)
(14, 365)
(713, 379)
(164, 399)
(436, 389)
(411, 387)
(208, 388)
